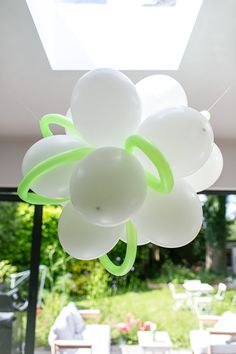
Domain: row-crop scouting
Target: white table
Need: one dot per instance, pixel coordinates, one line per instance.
(154, 342)
(202, 288)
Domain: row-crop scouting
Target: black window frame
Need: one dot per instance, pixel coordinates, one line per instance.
(10, 195)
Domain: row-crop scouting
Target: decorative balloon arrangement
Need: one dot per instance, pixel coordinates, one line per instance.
(113, 185)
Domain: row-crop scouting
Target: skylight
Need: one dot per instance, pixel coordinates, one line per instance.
(121, 34)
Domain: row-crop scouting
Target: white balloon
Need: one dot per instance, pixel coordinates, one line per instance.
(54, 184)
(68, 132)
(84, 240)
(170, 220)
(68, 114)
(105, 107)
(108, 186)
(158, 92)
(208, 174)
(206, 114)
(183, 135)
(140, 239)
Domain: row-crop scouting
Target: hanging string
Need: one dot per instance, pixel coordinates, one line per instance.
(219, 98)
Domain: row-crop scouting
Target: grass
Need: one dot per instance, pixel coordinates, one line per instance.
(154, 305)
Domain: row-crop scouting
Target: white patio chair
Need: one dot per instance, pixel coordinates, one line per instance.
(221, 292)
(221, 339)
(70, 335)
(203, 304)
(180, 298)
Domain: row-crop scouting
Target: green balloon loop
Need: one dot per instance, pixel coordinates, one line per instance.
(165, 182)
(131, 250)
(44, 167)
(58, 119)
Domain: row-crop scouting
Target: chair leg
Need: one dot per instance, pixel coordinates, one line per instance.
(209, 350)
(209, 345)
(53, 349)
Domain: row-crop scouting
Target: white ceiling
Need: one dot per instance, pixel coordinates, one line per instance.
(30, 89)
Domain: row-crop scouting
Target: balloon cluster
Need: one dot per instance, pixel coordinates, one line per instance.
(128, 167)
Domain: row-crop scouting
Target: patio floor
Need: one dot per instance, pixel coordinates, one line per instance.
(114, 350)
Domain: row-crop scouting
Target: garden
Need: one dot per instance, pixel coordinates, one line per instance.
(139, 300)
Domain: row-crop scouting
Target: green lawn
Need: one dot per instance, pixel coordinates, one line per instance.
(153, 305)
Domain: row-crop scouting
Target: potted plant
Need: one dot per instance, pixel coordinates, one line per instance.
(128, 330)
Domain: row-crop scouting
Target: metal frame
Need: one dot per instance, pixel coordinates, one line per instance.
(34, 279)
(10, 195)
(218, 192)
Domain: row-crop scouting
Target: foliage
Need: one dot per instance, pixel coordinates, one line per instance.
(88, 279)
(97, 286)
(16, 222)
(56, 262)
(8, 226)
(199, 248)
(216, 225)
(210, 277)
(51, 250)
(175, 273)
(63, 285)
(216, 230)
(136, 278)
(6, 269)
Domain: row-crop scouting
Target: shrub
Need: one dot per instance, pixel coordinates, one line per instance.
(177, 274)
(16, 222)
(89, 279)
(6, 269)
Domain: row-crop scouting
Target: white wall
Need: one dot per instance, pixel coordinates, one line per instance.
(12, 152)
(11, 155)
(227, 179)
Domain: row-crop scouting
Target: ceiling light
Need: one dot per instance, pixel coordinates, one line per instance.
(121, 34)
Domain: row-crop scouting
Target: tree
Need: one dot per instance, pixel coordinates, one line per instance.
(216, 230)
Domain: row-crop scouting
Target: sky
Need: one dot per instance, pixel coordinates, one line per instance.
(231, 206)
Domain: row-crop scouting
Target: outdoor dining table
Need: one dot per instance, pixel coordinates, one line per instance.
(155, 342)
(199, 288)
(150, 342)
